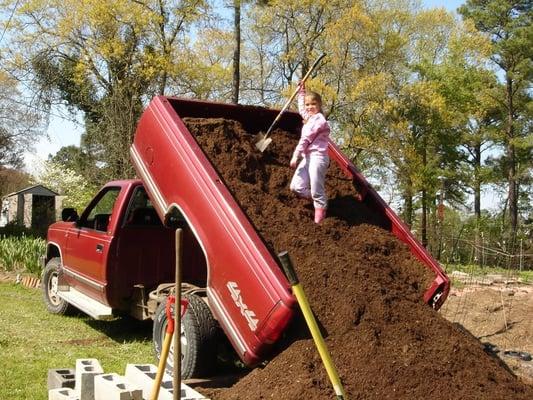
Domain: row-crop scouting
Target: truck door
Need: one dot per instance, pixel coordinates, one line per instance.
(88, 243)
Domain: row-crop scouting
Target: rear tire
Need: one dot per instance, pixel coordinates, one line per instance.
(199, 333)
(49, 286)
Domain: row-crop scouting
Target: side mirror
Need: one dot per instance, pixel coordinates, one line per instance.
(69, 215)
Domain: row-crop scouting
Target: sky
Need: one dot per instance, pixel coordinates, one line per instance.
(62, 132)
(451, 5)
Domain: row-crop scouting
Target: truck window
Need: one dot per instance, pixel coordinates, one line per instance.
(97, 217)
(141, 211)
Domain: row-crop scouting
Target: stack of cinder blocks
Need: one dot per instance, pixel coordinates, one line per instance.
(89, 382)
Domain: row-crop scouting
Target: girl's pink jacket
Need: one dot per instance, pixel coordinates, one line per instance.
(315, 132)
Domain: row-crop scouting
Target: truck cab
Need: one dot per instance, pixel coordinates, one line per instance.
(116, 258)
(119, 246)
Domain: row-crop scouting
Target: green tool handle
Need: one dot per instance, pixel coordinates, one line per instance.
(313, 326)
(288, 103)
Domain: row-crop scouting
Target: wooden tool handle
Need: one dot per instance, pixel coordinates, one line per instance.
(288, 103)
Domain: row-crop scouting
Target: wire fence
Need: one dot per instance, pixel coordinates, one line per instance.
(485, 254)
(498, 315)
(495, 306)
(492, 290)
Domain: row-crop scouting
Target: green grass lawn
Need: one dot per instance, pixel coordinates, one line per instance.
(524, 276)
(32, 341)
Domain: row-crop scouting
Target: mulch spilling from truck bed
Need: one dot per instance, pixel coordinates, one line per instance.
(363, 285)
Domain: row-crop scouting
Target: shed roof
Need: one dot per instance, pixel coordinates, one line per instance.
(39, 190)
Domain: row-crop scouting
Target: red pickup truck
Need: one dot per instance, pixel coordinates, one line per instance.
(118, 256)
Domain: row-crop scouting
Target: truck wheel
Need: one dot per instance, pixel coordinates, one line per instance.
(49, 280)
(198, 338)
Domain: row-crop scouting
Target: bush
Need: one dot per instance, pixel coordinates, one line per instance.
(14, 229)
(22, 254)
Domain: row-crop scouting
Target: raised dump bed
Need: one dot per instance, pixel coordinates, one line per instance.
(247, 292)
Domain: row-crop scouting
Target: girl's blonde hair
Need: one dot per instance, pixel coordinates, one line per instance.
(314, 96)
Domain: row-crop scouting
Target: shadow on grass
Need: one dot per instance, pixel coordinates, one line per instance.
(123, 329)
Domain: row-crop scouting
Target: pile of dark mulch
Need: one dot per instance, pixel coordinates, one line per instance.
(363, 284)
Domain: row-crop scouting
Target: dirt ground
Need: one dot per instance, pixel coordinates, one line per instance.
(363, 284)
(500, 315)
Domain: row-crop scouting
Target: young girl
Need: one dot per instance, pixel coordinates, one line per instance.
(308, 180)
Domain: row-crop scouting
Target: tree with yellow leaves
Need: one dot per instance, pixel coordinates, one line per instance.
(19, 124)
(105, 58)
(393, 96)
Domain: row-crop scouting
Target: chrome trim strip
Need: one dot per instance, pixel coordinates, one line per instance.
(90, 282)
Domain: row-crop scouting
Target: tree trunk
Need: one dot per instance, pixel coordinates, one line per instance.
(477, 201)
(423, 223)
(511, 156)
(407, 213)
(236, 51)
(433, 227)
(439, 211)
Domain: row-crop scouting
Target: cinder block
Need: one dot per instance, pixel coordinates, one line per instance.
(143, 375)
(188, 393)
(86, 370)
(61, 378)
(87, 365)
(115, 387)
(62, 394)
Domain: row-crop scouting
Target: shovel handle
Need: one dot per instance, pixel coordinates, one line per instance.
(313, 67)
(293, 95)
(309, 317)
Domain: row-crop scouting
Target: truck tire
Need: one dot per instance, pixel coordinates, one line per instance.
(199, 332)
(49, 280)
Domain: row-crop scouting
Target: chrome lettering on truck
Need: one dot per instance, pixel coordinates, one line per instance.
(237, 298)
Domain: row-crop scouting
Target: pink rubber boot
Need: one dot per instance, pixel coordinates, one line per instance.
(320, 214)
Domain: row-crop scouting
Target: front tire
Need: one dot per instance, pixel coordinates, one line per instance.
(199, 332)
(49, 286)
